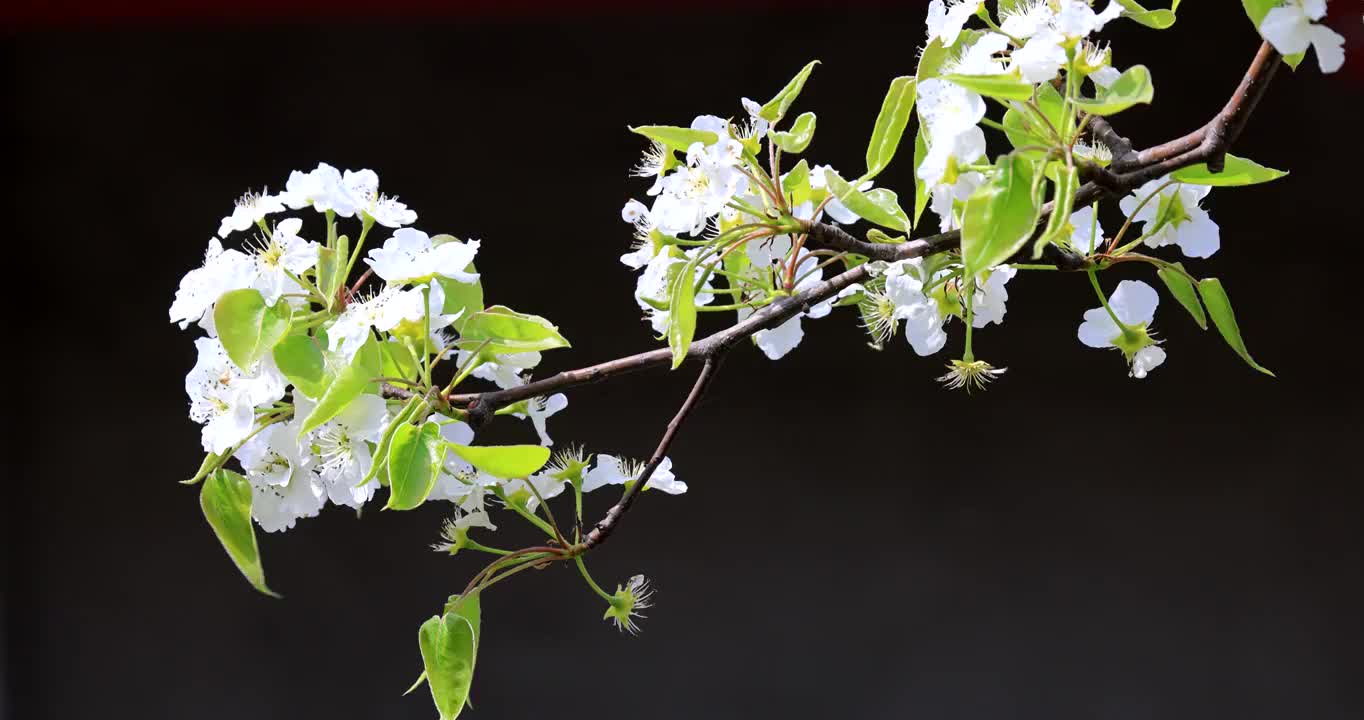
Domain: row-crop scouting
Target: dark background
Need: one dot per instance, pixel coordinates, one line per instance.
(856, 541)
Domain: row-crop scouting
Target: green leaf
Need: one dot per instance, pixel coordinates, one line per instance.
(331, 269)
(1157, 19)
(210, 463)
(1182, 289)
(346, 386)
(386, 440)
(880, 206)
(415, 455)
(226, 501)
(1003, 86)
(469, 609)
(682, 313)
(935, 54)
(1058, 226)
(890, 124)
(247, 328)
(1238, 172)
(1219, 307)
(1000, 215)
(449, 646)
(503, 461)
(799, 137)
(796, 185)
(1132, 87)
(775, 109)
(676, 138)
(396, 360)
(1023, 127)
(300, 358)
(507, 331)
(922, 191)
(463, 298)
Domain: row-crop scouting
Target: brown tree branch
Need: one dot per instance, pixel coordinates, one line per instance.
(602, 530)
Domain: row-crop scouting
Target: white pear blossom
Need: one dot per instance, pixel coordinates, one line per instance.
(1078, 20)
(905, 283)
(1291, 29)
(282, 259)
(352, 328)
(946, 18)
(1134, 302)
(271, 457)
(277, 506)
(1041, 58)
(611, 470)
(250, 209)
(411, 256)
(963, 149)
(321, 188)
(505, 370)
(1087, 235)
(414, 304)
(340, 448)
(200, 288)
(546, 485)
(1027, 18)
(655, 282)
(991, 295)
(944, 198)
(691, 195)
(980, 58)
(651, 164)
(538, 411)
(223, 398)
(1175, 217)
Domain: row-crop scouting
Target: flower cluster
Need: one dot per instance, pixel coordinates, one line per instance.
(290, 374)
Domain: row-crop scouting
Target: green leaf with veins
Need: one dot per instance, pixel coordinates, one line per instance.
(1237, 172)
(247, 327)
(348, 384)
(880, 206)
(1003, 86)
(798, 138)
(225, 499)
(503, 461)
(1157, 19)
(507, 331)
(1058, 226)
(1182, 289)
(1001, 214)
(301, 360)
(1219, 308)
(1131, 88)
(922, 191)
(775, 109)
(449, 647)
(682, 312)
(890, 124)
(415, 455)
(676, 138)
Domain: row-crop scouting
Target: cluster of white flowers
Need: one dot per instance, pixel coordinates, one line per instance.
(257, 416)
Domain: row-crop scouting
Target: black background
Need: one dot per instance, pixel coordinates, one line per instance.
(856, 543)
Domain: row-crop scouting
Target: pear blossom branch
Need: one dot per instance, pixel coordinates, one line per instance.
(1130, 169)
